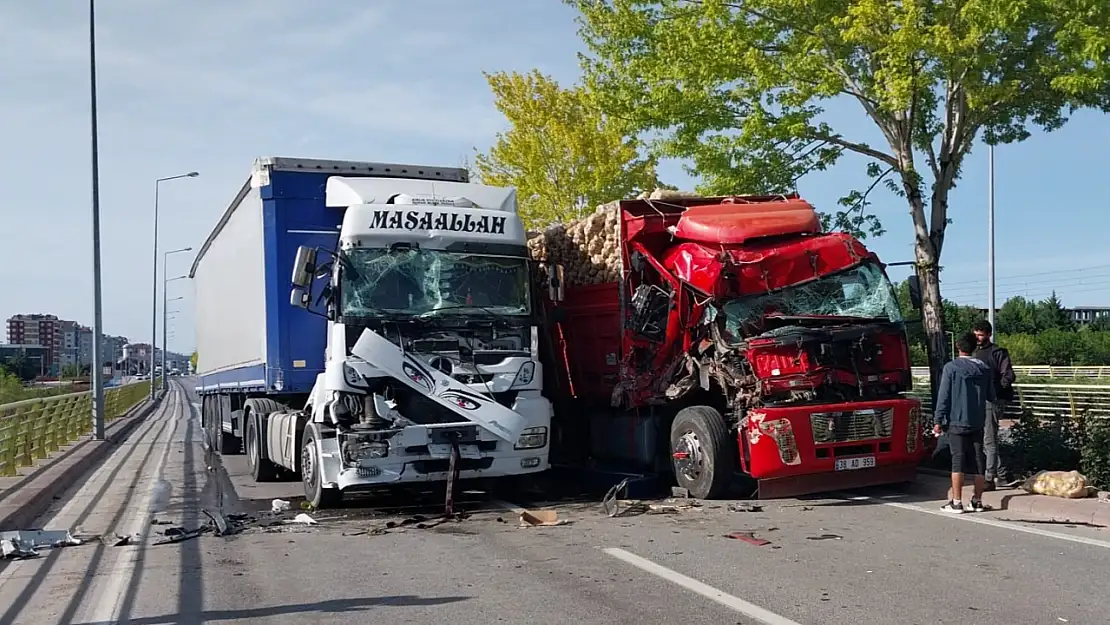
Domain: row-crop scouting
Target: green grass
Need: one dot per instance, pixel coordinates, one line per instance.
(12, 390)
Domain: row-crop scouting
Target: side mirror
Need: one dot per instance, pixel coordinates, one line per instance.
(304, 268)
(555, 283)
(915, 292)
(300, 298)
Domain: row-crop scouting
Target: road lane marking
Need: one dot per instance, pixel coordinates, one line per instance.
(974, 518)
(107, 603)
(729, 601)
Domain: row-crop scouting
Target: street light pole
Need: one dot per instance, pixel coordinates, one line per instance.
(990, 236)
(165, 309)
(154, 279)
(98, 321)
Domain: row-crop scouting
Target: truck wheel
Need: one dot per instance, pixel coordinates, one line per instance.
(228, 443)
(702, 455)
(262, 470)
(311, 475)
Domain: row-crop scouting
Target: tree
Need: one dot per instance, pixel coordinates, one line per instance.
(1050, 314)
(71, 371)
(738, 87)
(1016, 316)
(561, 152)
(193, 361)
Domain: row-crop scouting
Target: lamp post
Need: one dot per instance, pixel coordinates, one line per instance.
(165, 311)
(98, 322)
(154, 287)
(990, 237)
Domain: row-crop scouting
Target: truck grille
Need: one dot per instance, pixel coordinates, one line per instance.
(852, 425)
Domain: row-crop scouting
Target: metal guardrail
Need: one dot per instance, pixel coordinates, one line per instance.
(1043, 371)
(1046, 400)
(31, 429)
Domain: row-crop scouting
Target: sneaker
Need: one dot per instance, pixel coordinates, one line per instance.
(989, 485)
(955, 507)
(979, 506)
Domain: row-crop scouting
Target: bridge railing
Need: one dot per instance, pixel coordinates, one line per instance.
(32, 429)
(1045, 400)
(1044, 371)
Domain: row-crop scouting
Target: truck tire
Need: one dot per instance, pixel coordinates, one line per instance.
(702, 454)
(227, 443)
(262, 470)
(314, 491)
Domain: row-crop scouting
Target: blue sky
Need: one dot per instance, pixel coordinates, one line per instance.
(208, 85)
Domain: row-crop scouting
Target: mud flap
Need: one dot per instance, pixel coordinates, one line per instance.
(444, 390)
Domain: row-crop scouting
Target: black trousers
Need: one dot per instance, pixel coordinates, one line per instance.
(968, 455)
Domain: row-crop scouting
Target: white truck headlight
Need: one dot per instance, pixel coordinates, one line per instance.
(525, 374)
(532, 438)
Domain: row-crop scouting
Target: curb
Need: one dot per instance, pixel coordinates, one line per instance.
(1086, 510)
(56, 475)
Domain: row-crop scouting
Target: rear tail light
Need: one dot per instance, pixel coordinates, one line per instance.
(913, 429)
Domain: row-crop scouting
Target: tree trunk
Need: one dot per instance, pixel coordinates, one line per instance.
(932, 320)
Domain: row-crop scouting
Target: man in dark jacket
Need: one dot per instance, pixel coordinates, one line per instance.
(1002, 377)
(962, 399)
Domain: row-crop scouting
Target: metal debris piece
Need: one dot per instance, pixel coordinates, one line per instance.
(678, 492)
(218, 521)
(748, 537)
(122, 541)
(611, 502)
(825, 537)
(744, 506)
(22, 544)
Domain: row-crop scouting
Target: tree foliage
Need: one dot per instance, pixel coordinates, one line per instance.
(740, 88)
(193, 361)
(561, 152)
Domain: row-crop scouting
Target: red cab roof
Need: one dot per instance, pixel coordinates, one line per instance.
(740, 219)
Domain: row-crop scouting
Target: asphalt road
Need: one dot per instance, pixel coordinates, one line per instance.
(887, 558)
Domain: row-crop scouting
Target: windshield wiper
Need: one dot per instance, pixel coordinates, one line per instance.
(486, 309)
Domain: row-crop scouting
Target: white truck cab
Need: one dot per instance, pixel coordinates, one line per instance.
(432, 357)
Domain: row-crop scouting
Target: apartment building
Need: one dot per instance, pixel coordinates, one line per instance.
(41, 330)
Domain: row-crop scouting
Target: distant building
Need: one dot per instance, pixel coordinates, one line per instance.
(34, 358)
(1088, 314)
(39, 330)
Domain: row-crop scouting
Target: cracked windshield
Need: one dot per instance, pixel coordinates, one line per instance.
(405, 331)
(429, 283)
(863, 292)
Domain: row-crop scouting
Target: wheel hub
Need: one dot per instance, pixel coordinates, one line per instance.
(688, 456)
(308, 463)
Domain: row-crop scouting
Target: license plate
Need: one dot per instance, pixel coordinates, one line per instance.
(859, 462)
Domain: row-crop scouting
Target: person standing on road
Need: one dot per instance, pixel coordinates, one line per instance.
(1002, 378)
(965, 391)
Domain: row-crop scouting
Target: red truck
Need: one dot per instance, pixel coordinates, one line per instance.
(740, 338)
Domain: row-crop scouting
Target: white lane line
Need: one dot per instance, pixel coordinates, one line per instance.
(974, 517)
(109, 599)
(729, 601)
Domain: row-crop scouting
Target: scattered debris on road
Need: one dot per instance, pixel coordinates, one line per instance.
(748, 537)
(23, 544)
(744, 506)
(304, 519)
(825, 537)
(278, 506)
(541, 518)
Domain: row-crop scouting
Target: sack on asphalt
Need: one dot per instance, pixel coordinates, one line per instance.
(1066, 484)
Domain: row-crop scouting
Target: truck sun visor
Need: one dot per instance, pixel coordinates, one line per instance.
(481, 409)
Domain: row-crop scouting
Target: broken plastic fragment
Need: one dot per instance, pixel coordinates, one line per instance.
(279, 505)
(26, 543)
(304, 519)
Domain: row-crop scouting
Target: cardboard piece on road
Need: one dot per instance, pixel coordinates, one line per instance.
(541, 518)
